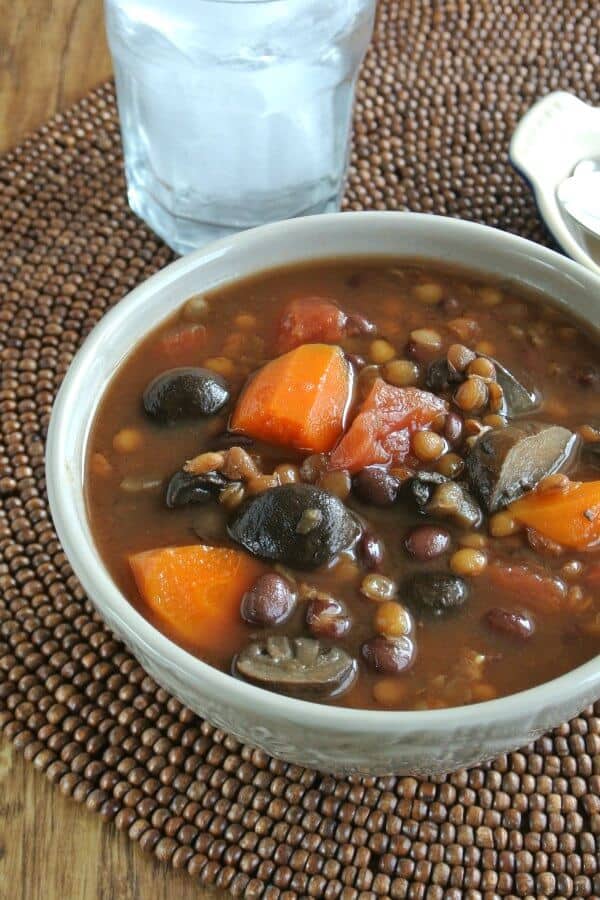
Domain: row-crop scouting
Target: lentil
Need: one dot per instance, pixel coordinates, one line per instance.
(430, 293)
(392, 619)
(427, 445)
(427, 338)
(378, 587)
(381, 351)
(468, 562)
(402, 372)
(471, 395)
(128, 440)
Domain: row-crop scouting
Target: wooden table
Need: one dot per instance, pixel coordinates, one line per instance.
(52, 52)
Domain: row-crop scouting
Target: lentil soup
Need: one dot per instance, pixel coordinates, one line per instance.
(372, 483)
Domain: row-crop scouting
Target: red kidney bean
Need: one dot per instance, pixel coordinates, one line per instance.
(453, 428)
(356, 323)
(269, 601)
(427, 541)
(326, 618)
(389, 655)
(370, 550)
(359, 362)
(450, 306)
(511, 622)
(376, 486)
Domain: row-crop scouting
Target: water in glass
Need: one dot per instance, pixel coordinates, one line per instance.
(234, 112)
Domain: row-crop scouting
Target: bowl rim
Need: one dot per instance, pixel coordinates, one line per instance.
(95, 578)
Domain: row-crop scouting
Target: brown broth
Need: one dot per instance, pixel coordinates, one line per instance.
(521, 332)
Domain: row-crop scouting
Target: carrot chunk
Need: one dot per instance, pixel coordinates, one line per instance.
(310, 319)
(381, 431)
(297, 400)
(570, 517)
(196, 591)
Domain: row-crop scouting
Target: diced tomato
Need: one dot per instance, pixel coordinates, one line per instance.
(592, 576)
(183, 344)
(310, 319)
(533, 587)
(380, 433)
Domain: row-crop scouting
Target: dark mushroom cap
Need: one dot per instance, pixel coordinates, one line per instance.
(299, 525)
(184, 488)
(185, 393)
(435, 593)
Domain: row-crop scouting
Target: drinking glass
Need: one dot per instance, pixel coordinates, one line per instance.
(234, 112)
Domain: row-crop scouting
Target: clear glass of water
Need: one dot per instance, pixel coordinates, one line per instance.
(234, 112)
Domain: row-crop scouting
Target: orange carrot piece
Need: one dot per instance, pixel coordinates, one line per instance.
(196, 591)
(381, 431)
(532, 587)
(571, 517)
(310, 319)
(297, 400)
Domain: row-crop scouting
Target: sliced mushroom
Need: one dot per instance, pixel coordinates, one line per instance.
(591, 453)
(298, 525)
(505, 463)
(417, 492)
(302, 667)
(185, 393)
(453, 501)
(184, 489)
(435, 593)
(518, 399)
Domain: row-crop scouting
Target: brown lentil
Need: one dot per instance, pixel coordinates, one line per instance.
(427, 338)
(337, 482)
(450, 464)
(128, 440)
(392, 619)
(381, 351)
(402, 372)
(378, 587)
(468, 562)
(460, 357)
(430, 293)
(427, 445)
(471, 395)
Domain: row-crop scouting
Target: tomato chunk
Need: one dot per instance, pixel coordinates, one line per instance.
(297, 400)
(310, 319)
(531, 586)
(380, 432)
(184, 344)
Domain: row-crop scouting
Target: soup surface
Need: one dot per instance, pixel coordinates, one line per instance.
(372, 483)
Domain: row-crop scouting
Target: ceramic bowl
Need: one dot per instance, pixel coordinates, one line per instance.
(329, 738)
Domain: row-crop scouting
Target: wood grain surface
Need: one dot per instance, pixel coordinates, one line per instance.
(52, 52)
(53, 849)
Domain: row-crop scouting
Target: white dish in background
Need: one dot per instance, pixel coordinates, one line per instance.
(330, 738)
(550, 140)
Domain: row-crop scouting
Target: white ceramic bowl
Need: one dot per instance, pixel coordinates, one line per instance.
(328, 738)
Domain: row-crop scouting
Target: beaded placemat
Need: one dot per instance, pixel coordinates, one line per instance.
(442, 89)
